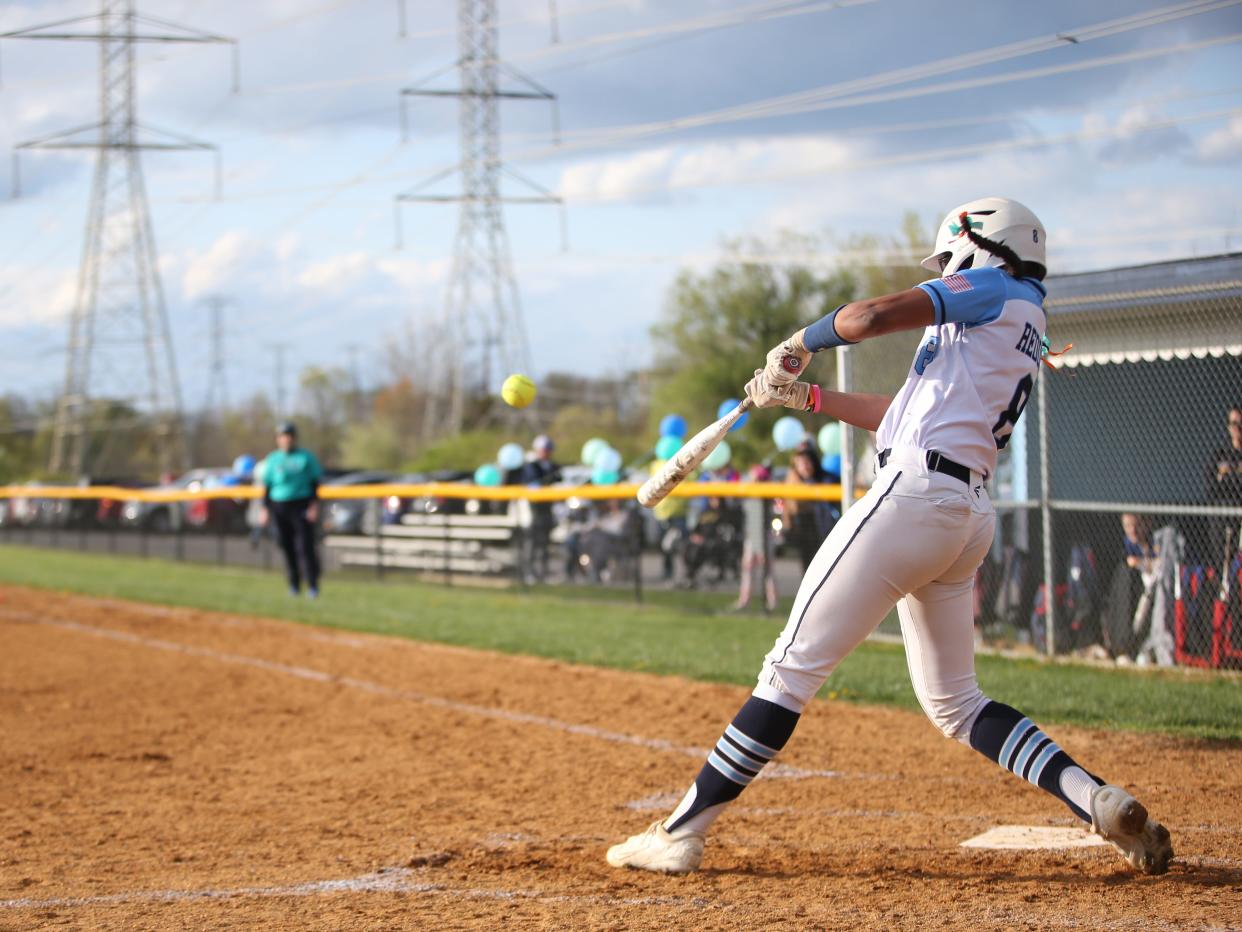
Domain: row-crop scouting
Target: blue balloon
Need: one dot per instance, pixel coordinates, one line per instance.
(673, 425)
(787, 433)
(511, 456)
(243, 465)
(667, 448)
(832, 464)
(608, 461)
(605, 476)
(728, 405)
(487, 475)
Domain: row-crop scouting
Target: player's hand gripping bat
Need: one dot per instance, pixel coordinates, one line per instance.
(691, 454)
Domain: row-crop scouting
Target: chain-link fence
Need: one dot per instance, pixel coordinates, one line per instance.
(1126, 481)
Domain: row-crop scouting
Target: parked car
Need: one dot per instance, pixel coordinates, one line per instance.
(226, 515)
(352, 515)
(395, 506)
(162, 517)
(23, 511)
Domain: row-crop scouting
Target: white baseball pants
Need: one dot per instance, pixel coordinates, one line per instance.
(914, 540)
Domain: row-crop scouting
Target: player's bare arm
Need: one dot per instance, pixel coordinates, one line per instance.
(776, 384)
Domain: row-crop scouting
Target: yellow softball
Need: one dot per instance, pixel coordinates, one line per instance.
(518, 391)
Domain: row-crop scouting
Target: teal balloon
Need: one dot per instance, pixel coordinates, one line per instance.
(511, 456)
(487, 475)
(726, 407)
(719, 457)
(605, 476)
(787, 433)
(593, 448)
(667, 448)
(830, 439)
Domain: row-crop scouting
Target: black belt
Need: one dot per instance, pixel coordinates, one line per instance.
(936, 462)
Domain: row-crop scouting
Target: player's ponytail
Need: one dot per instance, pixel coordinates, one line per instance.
(1016, 265)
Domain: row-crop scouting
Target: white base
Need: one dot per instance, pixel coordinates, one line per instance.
(1033, 838)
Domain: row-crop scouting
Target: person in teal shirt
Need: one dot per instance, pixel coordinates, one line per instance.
(291, 501)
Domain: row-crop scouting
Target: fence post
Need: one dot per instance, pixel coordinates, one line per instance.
(638, 558)
(845, 383)
(448, 550)
(377, 511)
(1045, 508)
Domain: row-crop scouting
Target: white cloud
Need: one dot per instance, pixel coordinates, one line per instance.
(617, 179)
(336, 273)
(37, 295)
(219, 266)
(1222, 144)
(712, 164)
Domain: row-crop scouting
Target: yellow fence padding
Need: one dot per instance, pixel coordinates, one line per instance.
(825, 493)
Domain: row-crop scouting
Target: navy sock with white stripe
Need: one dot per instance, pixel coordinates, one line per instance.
(1006, 736)
(759, 730)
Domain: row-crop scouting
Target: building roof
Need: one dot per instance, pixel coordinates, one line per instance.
(1162, 310)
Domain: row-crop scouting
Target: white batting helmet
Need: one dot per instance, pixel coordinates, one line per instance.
(998, 219)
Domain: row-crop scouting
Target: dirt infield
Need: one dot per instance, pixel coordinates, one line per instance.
(172, 769)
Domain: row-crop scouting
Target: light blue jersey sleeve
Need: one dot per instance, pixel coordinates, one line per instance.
(975, 296)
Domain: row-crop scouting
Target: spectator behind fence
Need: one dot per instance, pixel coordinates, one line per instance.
(713, 540)
(809, 521)
(671, 514)
(1140, 552)
(291, 499)
(1224, 489)
(758, 549)
(539, 470)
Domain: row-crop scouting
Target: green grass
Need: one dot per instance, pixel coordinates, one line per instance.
(664, 636)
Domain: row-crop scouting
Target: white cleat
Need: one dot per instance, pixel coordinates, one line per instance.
(1118, 817)
(677, 852)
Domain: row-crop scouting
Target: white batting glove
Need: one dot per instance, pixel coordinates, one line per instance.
(763, 394)
(787, 362)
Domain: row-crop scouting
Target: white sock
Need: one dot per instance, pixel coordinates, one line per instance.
(699, 822)
(1078, 787)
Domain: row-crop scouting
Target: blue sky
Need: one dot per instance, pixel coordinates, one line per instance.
(680, 131)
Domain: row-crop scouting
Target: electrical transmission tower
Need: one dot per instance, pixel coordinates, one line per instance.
(217, 396)
(120, 348)
(482, 331)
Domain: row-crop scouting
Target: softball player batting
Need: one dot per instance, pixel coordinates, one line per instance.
(917, 537)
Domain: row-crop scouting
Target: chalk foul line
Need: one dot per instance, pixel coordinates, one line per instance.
(774, 771)
(385, 880)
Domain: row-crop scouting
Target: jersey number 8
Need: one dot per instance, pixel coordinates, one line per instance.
(1003, 428)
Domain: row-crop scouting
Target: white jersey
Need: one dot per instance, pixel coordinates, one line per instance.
(974, 370)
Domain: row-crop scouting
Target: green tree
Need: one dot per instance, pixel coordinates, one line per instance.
(325, 398)
(883, 265)
(22, 456)
(717, 328)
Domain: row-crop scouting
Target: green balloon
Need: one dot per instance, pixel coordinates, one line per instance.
(667, 448)
(592, 449)
(830, 439)
(719, 457)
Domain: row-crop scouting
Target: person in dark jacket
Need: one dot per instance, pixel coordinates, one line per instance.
(538, 471)
(291, 477)
(1224, 488)
(809, 521)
